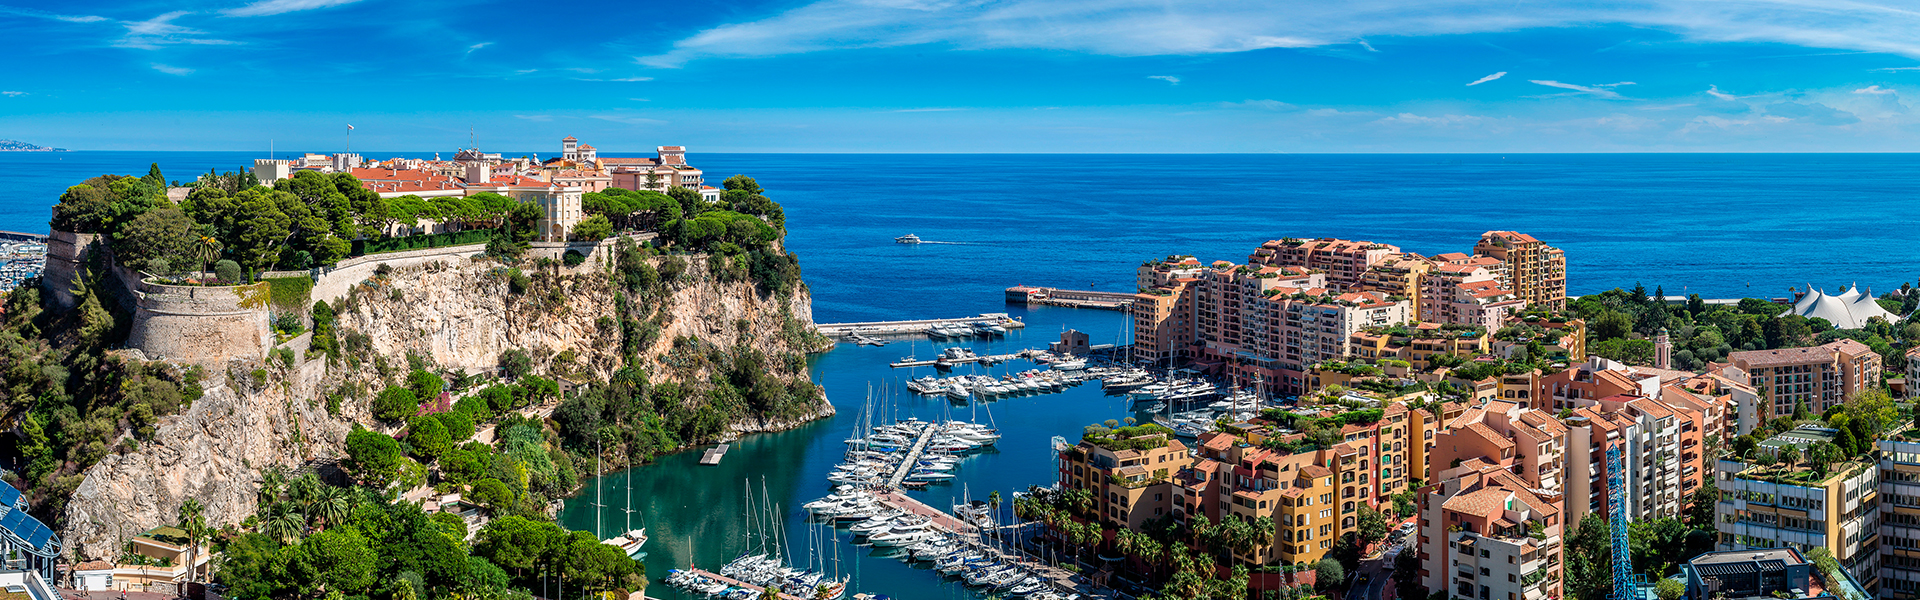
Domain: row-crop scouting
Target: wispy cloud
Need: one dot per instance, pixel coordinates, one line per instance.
(274, 7)
(41, 14)
(172, 70)
(1167, 78)
(1363, 44)
(639, 99)
(630, 120)
(1873, 89)
(12, 94)
(1156, 27)
(1259, 104)
(1487, 78)
(478, 46)
(161, 31)
(935, 109)
(1603, 90)
(1893, 69)
(620, 79)
(1714, 90)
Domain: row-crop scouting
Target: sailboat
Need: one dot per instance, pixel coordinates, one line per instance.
(631, 541)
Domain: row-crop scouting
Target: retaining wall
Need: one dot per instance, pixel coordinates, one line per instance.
(331, 283)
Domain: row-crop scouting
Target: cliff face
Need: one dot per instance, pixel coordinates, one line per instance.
(458, 314)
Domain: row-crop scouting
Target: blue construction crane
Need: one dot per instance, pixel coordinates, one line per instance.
(1624, 587)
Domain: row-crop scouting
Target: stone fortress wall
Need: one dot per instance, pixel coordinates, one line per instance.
(211, 324)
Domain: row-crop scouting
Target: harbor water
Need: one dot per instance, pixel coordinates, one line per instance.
(695, 514)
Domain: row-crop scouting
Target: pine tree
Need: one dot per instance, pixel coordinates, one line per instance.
(154, 177)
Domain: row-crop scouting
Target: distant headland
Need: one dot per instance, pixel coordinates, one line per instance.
(19, 146)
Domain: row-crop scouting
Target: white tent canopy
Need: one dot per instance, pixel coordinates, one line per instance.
(1849, 310)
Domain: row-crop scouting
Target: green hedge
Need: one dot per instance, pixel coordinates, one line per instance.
(417, 242)
(290, 295)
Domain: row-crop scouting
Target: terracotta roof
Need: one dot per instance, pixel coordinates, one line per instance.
(1216, 440)
(568, 139)
(1652, 408)
(1782, 356)
(1314, 471)
(1484, 502)
(1482, 430)
(1396, 408)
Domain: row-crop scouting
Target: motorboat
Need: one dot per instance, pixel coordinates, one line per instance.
(907, 239)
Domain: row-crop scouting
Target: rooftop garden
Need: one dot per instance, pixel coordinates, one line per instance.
(1355, 369)
(1136, 437)
(1445, 331)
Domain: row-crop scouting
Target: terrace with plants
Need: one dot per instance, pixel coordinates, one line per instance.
(1136, 437)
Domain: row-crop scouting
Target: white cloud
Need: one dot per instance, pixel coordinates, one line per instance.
(1603, 90)
(1167, 78)
(12, 94)
(160, 31)
(170, 70)
(274, 7)
(1714, 90)
(1892, 69)
(41, 14)
(1487, 78)
(629, 79)
(1369, 47)
(913, 110)
(1440, 121)
(478, 46)
(1873, 89)
(539, 118)
(1156, 27)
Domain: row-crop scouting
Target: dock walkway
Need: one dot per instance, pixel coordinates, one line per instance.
(714, 454)
(742, 584)
(913, 455)
(1060, 578)
(913, 327)
(990, 359)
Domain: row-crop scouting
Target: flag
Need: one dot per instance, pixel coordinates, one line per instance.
(349, 127)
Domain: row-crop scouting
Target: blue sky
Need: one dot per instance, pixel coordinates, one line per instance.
(966, 75)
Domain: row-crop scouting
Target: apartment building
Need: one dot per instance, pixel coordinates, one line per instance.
(1760, 508)
(1591, 433)
(1913, 372)
(1397, 275)
(1487, 534)
(1128, 471)
(1654, 463)
(1345, 262)
(1536, 272)
(1815, 376)
(1899, 464)
(1531, 443)
(1417, 343)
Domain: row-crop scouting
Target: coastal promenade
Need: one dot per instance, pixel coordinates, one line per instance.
(1046, 296)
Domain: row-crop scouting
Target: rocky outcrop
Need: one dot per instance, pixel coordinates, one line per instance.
(214, 452)
(458, 313)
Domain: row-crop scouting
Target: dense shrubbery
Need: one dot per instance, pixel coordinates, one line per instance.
(417, 242)
(1621, 325)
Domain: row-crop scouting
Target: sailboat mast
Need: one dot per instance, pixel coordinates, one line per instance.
(598, 505)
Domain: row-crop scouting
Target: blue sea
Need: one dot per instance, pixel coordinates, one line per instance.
(1721, 225)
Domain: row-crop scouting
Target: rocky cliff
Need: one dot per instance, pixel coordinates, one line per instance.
(458, 314)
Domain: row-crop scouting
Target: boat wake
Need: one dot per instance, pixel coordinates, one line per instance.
(949, 243)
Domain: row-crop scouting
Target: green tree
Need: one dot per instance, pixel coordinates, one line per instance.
(1589, 559)
(1611, 325)
(1670, 589)
(459, 425)
(593, 228)
(1328, 573)
(193, 521)
(428, 437)
(83, 209)
(492, 494)
(228, 271)
(336, 560)
(426, 386)
(154, 178)
(742, 183)
(395, 404)
(373, 457)
(163, 233)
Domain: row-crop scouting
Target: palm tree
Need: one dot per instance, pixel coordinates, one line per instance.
(304, 489)
(283, 523)
(271, 481)
(206, 249)
(331, 505)
(194, 522)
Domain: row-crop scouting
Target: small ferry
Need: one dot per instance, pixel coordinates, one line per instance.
(908, 239)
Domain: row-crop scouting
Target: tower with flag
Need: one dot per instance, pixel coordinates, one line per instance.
(349, 138)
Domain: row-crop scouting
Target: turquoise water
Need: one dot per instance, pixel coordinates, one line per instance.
(697, 511)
